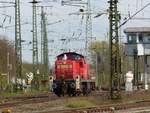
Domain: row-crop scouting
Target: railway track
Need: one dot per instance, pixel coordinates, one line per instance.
(111, 108)
(17, 100)
(44, 97)
(41, 98)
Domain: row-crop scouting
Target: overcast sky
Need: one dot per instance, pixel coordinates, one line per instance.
(69, 26)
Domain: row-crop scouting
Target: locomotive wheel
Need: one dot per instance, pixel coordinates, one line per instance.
(71, 92)
(78, 92)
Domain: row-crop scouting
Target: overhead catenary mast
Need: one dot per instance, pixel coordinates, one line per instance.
(114, 18)
(88, 20)
(88, 26)
(44, 41)
(18, 47)
(35, 45)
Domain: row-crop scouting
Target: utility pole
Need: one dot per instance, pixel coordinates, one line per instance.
(35, 46)
(114, 18)
(88, 26)
(41, 41)
(8, 67)
(145, 73)
(18, 47)
(44, 42)
(96, 67)
(135, 80)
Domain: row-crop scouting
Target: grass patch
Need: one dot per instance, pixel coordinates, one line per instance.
(22, 93)
(79, 104)
(8, 94)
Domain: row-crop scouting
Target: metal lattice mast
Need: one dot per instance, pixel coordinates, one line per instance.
(42, 62)
(35, 43)
(114, 50)
(41, 38)
(88, 26)
(45, 44)
(18, 47)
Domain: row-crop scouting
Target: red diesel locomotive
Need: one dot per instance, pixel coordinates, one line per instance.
(72, 75)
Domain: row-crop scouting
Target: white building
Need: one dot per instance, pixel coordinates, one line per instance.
(138, 41)
(138, 44)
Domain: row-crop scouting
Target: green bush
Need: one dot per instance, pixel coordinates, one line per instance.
(3, 82)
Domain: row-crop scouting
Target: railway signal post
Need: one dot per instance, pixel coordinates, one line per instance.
(114, 18)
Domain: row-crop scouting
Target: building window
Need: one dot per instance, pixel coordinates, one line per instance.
(140, 38)
(148, 38)
(132, 39)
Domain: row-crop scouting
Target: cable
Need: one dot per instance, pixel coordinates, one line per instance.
(134, 15)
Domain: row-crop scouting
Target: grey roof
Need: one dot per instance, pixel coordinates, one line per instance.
(70, 53)
(137, 30)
